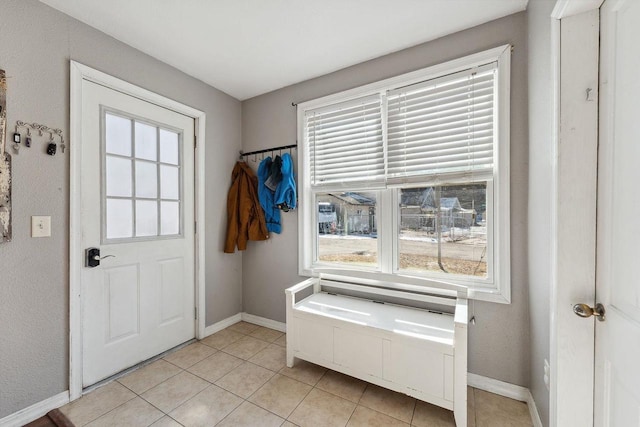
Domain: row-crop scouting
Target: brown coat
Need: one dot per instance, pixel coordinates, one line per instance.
(245, 217)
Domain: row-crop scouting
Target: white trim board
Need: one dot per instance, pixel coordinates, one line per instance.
(566, 8)
(263, 321)
(218, 326)
(501, 388)
(246, 317)
(35, 411)
(80, 72)
(533, 411)
(553, 308)
(509, 390)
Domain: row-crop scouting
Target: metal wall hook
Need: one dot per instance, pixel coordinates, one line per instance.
(42, 129)
(267, 150)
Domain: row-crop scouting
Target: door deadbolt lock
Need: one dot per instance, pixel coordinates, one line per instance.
(92, 257)
(583, 310)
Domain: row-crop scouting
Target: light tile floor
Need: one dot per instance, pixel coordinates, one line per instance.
(237, 377)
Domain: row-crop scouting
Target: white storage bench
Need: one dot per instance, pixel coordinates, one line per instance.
(418, 352)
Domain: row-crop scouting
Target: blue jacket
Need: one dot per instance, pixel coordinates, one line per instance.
(285, 197)
(266, 197)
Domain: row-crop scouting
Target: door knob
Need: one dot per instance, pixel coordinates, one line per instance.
(92, 257)
(583, 310)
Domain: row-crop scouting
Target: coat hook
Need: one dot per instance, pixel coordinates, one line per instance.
(590, 94)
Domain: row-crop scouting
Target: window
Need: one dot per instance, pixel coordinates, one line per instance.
(409, 177)
(142, 185)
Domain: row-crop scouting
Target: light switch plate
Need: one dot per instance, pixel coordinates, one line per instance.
(40, 226)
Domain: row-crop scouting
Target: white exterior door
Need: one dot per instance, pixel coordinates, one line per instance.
(617, 370)
(137, 192)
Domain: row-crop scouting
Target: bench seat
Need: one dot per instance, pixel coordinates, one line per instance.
(413, 322)
(415, 351)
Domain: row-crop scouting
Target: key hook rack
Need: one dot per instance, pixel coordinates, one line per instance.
(41, 130)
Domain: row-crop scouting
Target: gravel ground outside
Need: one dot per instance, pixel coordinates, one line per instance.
(418, 252)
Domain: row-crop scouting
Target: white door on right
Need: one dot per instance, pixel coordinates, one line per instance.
(617, 370)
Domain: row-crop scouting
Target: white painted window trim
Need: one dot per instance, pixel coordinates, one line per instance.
(80, 72)
(500, 290)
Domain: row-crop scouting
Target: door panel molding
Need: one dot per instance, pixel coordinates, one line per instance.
(80, 73)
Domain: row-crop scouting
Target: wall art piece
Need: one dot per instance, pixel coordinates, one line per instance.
(5, 166)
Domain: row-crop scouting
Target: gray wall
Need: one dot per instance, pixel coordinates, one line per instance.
(36, 45)
(499, 341)
(540, 194)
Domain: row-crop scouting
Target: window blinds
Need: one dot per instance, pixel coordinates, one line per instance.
(441, 127)
(345, 142)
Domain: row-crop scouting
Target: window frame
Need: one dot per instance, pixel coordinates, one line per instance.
(104, 111)
(497, 286)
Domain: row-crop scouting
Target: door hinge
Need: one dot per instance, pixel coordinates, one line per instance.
(195, 227)
(195, 310)
(195, 141)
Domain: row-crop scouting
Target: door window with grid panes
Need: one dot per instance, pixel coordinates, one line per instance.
(143, 179)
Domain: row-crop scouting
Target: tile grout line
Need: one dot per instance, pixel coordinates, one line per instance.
(305, 396)
(475, 420)
(415, 403)
(181, 370)
(161, 410)
(293, 379)
(243, 399)
(113, 409)
(256, 404)
(352, 412)
(243, 335)
(233, 410)
(413, 413)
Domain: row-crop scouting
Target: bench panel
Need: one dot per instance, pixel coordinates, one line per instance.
(314, 338)
(449, 378)
(417, 367)
(358, 351)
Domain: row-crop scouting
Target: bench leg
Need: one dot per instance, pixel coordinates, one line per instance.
(460, 377)
(290, 360)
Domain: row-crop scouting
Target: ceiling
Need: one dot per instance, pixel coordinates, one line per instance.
(249, 47)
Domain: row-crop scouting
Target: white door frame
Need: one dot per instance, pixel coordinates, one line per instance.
(571, 274)
(80, 72)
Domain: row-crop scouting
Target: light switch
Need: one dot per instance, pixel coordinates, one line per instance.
(40, 226)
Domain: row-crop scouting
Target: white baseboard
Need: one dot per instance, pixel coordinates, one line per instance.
(533, 411)
(251, 318)
(502, 388)
(509, 390)
(35, 411)
(263, 321)
(218, 326)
